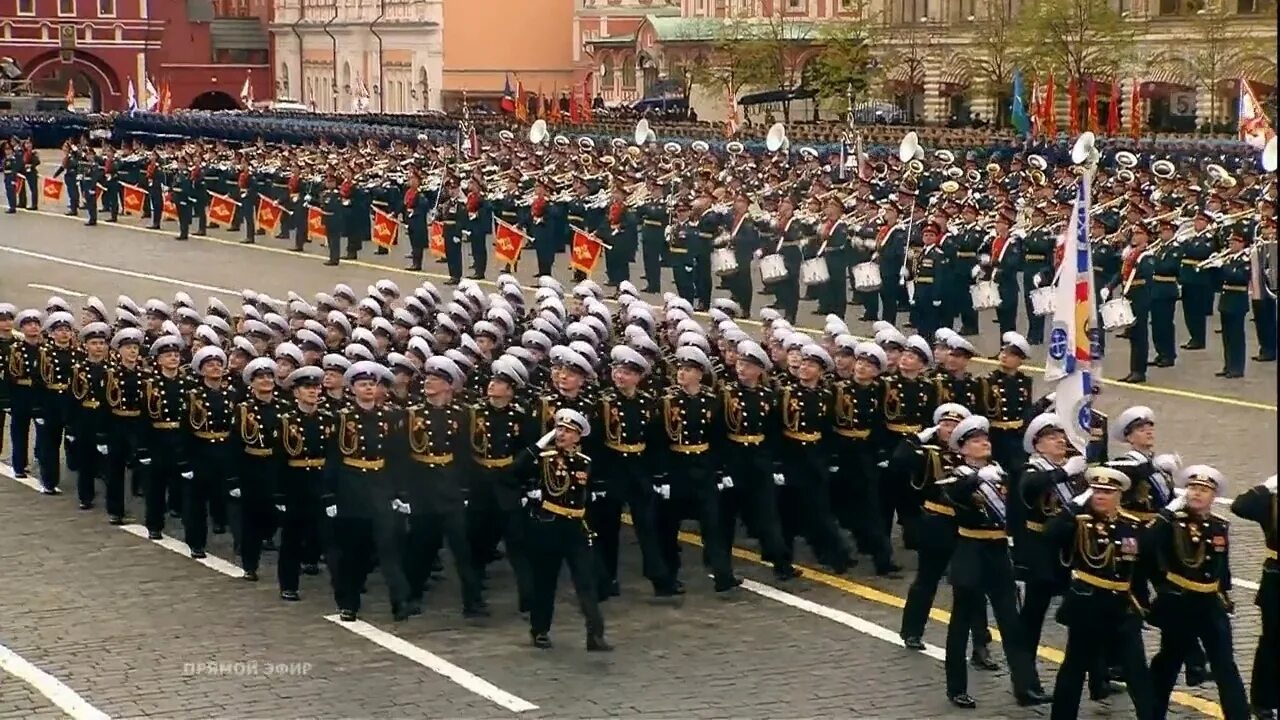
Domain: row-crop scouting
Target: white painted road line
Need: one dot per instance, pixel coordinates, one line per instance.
(118, 271)
(55, 289)
(467, 680)
(849, 620)
(49, 686)
(436, 664)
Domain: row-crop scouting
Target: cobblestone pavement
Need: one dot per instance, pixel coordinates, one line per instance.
(134, 628)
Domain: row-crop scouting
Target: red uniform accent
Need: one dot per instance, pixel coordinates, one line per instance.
(997, 248)
(615, 213)
(410, 198)
(294, 183)
(345, 190)
(473, 202)
(151, 170)
(244, 180)
(539, 206)
(106, 167)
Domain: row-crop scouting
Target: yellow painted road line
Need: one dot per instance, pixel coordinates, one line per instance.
(1154, 389)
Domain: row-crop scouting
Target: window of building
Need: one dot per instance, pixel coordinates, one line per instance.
(1249, 7)
(796, 4)
(67, 8)
(26, 7)
(106, 8)
(629, 74)
(606, 74)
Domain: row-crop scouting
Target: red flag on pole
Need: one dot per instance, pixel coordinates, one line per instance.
(1113, 110)
(575, 114)
(522, 102)
(269, 214)
(51, 188)
(1050, 108)
(508, 241)
(1091, 107)
(133, 199)
(585, 251)
(385, 229)
(435, 239)
(1135, 111)
(221, 209)
(71, 94)
(1073, 99)
(315, 225)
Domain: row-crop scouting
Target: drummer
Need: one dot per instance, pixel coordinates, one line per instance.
(1137, 272)
(744, 240)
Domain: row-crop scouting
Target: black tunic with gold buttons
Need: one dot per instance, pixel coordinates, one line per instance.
(497, 435)
(1191, 562)
(628, 431)
(908, 404)
(564, 481)
(211, 416)
(304, 439)
(1106, 577)
(366, 460)
(858, 417)
(90, 414)
(439, 453)
(56, 370)
(255, 435)
(687, 432)
(165, 400)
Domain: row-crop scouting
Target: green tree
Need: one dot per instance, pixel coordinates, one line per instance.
(772, 57)
(1221, 42)
(845, 65)
(1078, 38)
(724, 68)
(996, 54)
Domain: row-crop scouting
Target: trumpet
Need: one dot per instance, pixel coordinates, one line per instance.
(1222, 257)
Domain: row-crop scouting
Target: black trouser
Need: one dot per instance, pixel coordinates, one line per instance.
(31, 188)
(453, 257)
(297, 222)
(739, 287)
(10, 192)
(1139, 336)
(73, 194)
(556, 541)
(834, 294)
(1037, 595)
(855, 499)
(1163, 335)
(428, 531)
(1197, 306)
(111, 199)
(479, 253)
(417, 249)
(805, 503)
(1263, 693)
(122, 455)
(334, 240)
(989, 578)
(494, 514)
(546, 256)
(754, 496)
(1233, 342)
(155, 201)
(3, 410)
(302, 525)
(184, 220)
(1264, 323)
(90, 465)
(1102, 629)
(889, 292)
(200, 214)
(937, 542)
(629, 485)
(1006, 447)
(163, 481)
(205, 494)
(693, 494)
(682, 272)
(651, 256)
(253, 521)
(355, 540)
(49, 432)
(787, 291)
(21, 410)
(1187, 619)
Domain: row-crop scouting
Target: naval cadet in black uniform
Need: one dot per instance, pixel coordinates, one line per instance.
(366, 459)
(560, 486)
(57, 356)
(910, 399)
(1258, 504)
(210, 418)
(980, 565)
(126, 433)
(1006, 400)
(1192, 576)
(90, 415)
(23, 371)
(164, 452)
(300, 495)
(8, 338)
(253, 484)
(1106, 599)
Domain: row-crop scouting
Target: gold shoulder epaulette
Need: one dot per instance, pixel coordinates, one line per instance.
(547, 453)
(1223, 518)
(1130, 516)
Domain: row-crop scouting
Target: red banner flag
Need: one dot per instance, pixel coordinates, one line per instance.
(553, 111)
(1073, 100)
(1113, 110)
(522, 102)
(1091, 105)
(575, 113)
(587, 115)
(133, 199)
(269, 214)
(1135, 111)
(170, 208)
(384, 230)
(315, 225)
(221, 209)
(1050, 108)
(585, 251)
(542, 104)
(51, 188)
(435, 239)
(508, 241)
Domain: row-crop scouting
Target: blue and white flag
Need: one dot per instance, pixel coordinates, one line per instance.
(133, 98)
(1074, 364)
(153, 96)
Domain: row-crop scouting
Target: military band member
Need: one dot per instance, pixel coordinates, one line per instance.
(306, 431)
(1258, 504)
(498, 430)
(334, 214)
(1048, 482)
(12, 171)
(1196, 282)
(110, 183)
(366, 457)
(1233, 303)
(89, 415)
(439, 454)
(255, 436)
(416, 221)
(980, 566)
(31, 174)
(57, 356)
(154, 207)
(1137, 274)
(1106, 599)
(929, 268)
(211, 416)
(182, 198)
(1192, 577)
(1165, 270)
(1005, 259)
(23, 361)
(784, 239)
(1006, 400)
(560, 488)
(165, 395)
(834, 234)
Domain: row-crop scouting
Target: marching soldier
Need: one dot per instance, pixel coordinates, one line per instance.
(416, 210)
(365, 459)
(1164, 300)
(1137, 274)
(980, 565)
(1192, 576)
(126, 435)
(306, 433)
(1006, 399)
(560, 489)
(8, 339)
(1233, 304)
(253, 483)
(909, 402)
(1107, 597)
(23, 361)
(1258, 504)
(211, 416)
(182, 198)
(165, 394)
(57, 357)
(89, 414)
(334, 214)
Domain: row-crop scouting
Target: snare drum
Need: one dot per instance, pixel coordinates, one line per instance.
(1117, 314)
(1043, 301)
(773, 269)
(866, 277)
(985, 296)
(814, 271)
(723, 261)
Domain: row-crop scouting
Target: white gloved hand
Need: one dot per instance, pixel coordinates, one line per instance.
(1270, 483)
(102, 449)
(144, 461)
(281, 508)
(533, 495)
(1105, 294)
(404, 508)
(779, 479)
(1036, 281)
(1177, 504)
(1083, 497)
(902, 274)
(187, 475)
(937, 303)
(758, 254)
(71, 438)
(545, 440)
(235, 492)
(833, 469)
(1051, 398)
(39, 421)
(926, 434)
(663, 490)
(726, 482)
(984, 259)
(1075, 465)
(1167, 463)
(976, 272)
(331, 511)
(991, 473)
(882, 464)
(597, 496)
